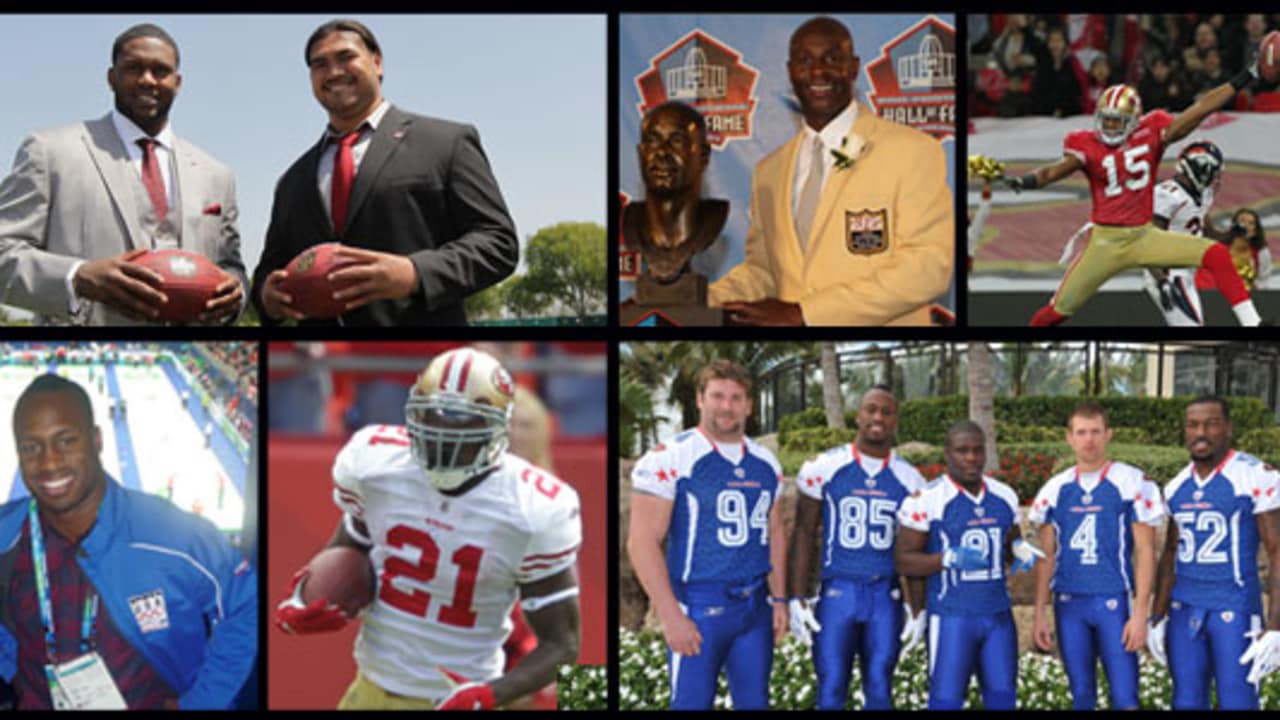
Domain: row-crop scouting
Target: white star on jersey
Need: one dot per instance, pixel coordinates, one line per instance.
(448, 573)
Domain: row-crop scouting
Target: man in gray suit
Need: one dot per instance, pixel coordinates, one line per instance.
(86, 199)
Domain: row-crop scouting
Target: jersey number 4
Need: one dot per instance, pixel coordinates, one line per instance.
(467, 558)
(1136, 167)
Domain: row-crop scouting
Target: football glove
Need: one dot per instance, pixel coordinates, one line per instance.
(1264, 653)
(912, 629)
(466, 695)
(1024, 556)
(1155, 640)
(298, 618)
(964, 558)
(803, 623)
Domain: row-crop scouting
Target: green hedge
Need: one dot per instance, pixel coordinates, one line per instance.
(1143, 420)
(1263, 442)
(643, 682)
(582, 687)
(813, 440)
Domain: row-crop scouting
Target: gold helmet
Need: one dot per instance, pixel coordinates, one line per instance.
(1118, 102)
(458, 415)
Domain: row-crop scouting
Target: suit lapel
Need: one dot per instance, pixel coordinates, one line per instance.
(313, 202)
(112, 162)
(790, 250)
(190, 194)
(833, 191)
(386, 139)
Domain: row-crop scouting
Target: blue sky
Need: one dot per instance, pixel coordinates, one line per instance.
(534, 85)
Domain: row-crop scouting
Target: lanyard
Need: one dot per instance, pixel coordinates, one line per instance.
(90, 613)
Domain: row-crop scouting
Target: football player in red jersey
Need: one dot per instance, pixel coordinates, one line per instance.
(1120, 157)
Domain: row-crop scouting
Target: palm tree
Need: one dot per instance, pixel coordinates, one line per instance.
(981, 400)
(637, 420)
(832, 399)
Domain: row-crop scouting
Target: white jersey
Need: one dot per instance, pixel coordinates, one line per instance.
(1185, 213)
(1179, 301)
(448, 567)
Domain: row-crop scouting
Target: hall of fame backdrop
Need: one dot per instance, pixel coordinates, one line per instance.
(733, 69)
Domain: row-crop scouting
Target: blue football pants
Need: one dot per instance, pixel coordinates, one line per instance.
(736, 625)
(1089, 627)
(858, 618)
(1205, 645)
(959, 644)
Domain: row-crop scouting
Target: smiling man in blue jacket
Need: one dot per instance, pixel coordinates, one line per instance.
(111, 598)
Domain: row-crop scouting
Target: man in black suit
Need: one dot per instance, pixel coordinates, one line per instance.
(416, 203)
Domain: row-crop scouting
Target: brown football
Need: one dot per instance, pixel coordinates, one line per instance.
(1269, 56)
(343, 575)
(307, 282)
(190, 280)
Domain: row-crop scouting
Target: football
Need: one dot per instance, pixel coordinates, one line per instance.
(189, 281)
(343, 575)
(1269, 56)
(308, 281)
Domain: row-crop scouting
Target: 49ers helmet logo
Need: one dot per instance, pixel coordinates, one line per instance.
(502, 381)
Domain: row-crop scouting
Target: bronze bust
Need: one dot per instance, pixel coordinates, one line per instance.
(673, 223)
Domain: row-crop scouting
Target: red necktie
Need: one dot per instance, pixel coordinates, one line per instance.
(344, 171)
(152, 180)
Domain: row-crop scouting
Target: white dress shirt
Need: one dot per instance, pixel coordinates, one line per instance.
(324, 174)
(831, 135)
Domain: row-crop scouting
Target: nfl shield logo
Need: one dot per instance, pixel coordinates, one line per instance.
(739, 473)
(978, 511)
(1087, 499)
(866, 232)
(1112, 604)
(1197, 495)
(871, 483)
(1228, 616)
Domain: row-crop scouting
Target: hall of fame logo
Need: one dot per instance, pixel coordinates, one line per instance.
(913, 81)
(708, 75)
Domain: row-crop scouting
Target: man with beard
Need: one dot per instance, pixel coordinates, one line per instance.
(959, 534)
(112, 598)
(851, 220)
(1208, 600)
(84, 200)
(855, 492)
(711, 493)
(411, 198)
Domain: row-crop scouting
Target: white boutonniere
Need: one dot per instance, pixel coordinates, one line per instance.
(851, 148)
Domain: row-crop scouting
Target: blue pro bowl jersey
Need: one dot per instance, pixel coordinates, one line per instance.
(1217, 565)
(859, 509)
(719, 529)
(1094, 526)
(952, 517)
